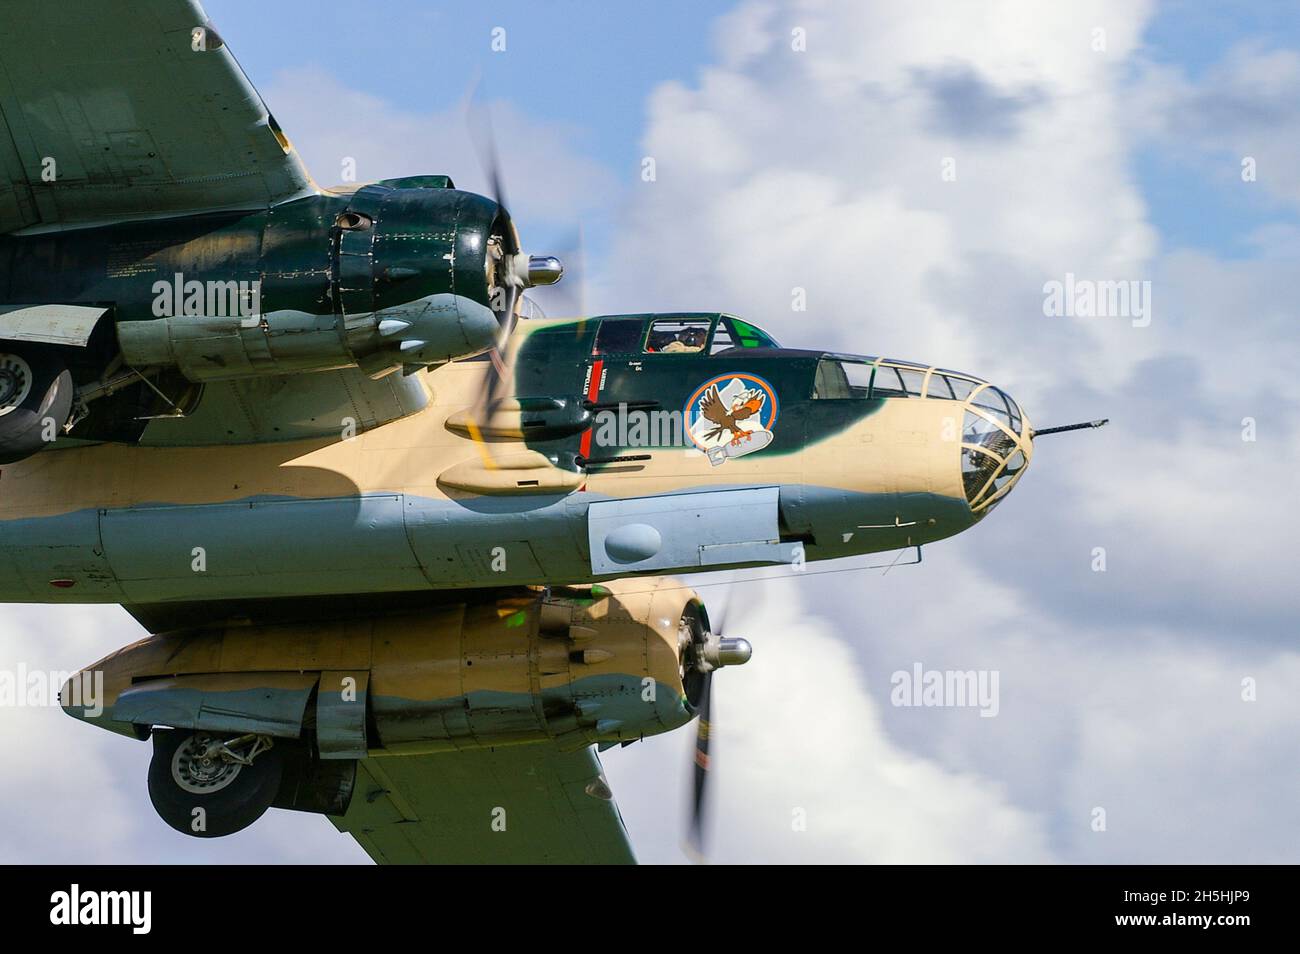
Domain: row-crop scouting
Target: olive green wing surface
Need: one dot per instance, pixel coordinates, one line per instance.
(122, 108)
(515, 804)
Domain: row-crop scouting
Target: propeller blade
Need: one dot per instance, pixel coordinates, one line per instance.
(483, 136)
(703, 730)
(496, 382)
(718, 621)
(699, 790)
(497, 385)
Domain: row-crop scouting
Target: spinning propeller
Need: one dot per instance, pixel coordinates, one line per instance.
(704, 649)
(510, 270)
(705, 652)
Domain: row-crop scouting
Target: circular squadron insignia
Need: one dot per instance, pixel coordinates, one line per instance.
(731, 415)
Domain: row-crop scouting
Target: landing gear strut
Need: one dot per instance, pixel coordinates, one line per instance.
(209, 785)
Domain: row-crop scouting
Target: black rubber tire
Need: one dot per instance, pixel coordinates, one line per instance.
(225, 811)
(22, 430)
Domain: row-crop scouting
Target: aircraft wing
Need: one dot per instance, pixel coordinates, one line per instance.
(118, 108)
(515, 804)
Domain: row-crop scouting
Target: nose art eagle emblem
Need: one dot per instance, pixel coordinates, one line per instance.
(731, 416)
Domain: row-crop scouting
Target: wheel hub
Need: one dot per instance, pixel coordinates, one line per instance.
(199, 767)
(15, 382)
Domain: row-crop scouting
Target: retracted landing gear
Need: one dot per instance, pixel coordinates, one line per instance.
(35, 399)
(207, 785)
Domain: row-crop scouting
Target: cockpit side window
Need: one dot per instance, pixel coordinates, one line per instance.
(831, 383)
(841, 380)
(939, 388)
(677, 335)
(618, 336)
(887, 383)
(961, 387)
(722, 339)
(859, 378)
(912, 381)
(750, 336)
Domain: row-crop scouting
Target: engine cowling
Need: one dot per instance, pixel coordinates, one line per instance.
(415, 271)
(411, 276)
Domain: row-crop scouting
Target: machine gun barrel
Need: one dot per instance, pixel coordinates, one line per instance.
(1069, 427)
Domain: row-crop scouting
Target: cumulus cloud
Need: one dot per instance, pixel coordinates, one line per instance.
(821, 170)
(53, 776)
(804, 770)
(1245, 107)
(1144, 716)
(548, 177)
(81, 792)
(832, 170)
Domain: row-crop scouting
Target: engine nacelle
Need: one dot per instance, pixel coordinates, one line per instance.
(425, 331)
(597, 664)
(414, 268)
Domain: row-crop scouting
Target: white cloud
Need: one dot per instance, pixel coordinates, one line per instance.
(1246, 105)
(796, 735)
(547, 177)
(1186, 769)
(56, 774)
(81, 792)
(821, 170)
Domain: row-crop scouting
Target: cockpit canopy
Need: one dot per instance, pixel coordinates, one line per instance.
(690, 333)
(995, 437)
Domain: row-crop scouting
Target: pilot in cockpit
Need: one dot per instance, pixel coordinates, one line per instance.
(686, 340)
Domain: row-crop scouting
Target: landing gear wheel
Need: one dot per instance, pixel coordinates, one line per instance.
(35, 399)
(209, 785)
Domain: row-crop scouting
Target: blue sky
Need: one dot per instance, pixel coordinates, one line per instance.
(1193, 203)
(1193, 33)
(593, 66)
(586, 66)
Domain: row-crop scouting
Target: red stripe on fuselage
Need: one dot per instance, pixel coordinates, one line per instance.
(593, 391)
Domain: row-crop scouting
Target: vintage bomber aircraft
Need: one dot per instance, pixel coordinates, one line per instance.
(399, 553)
